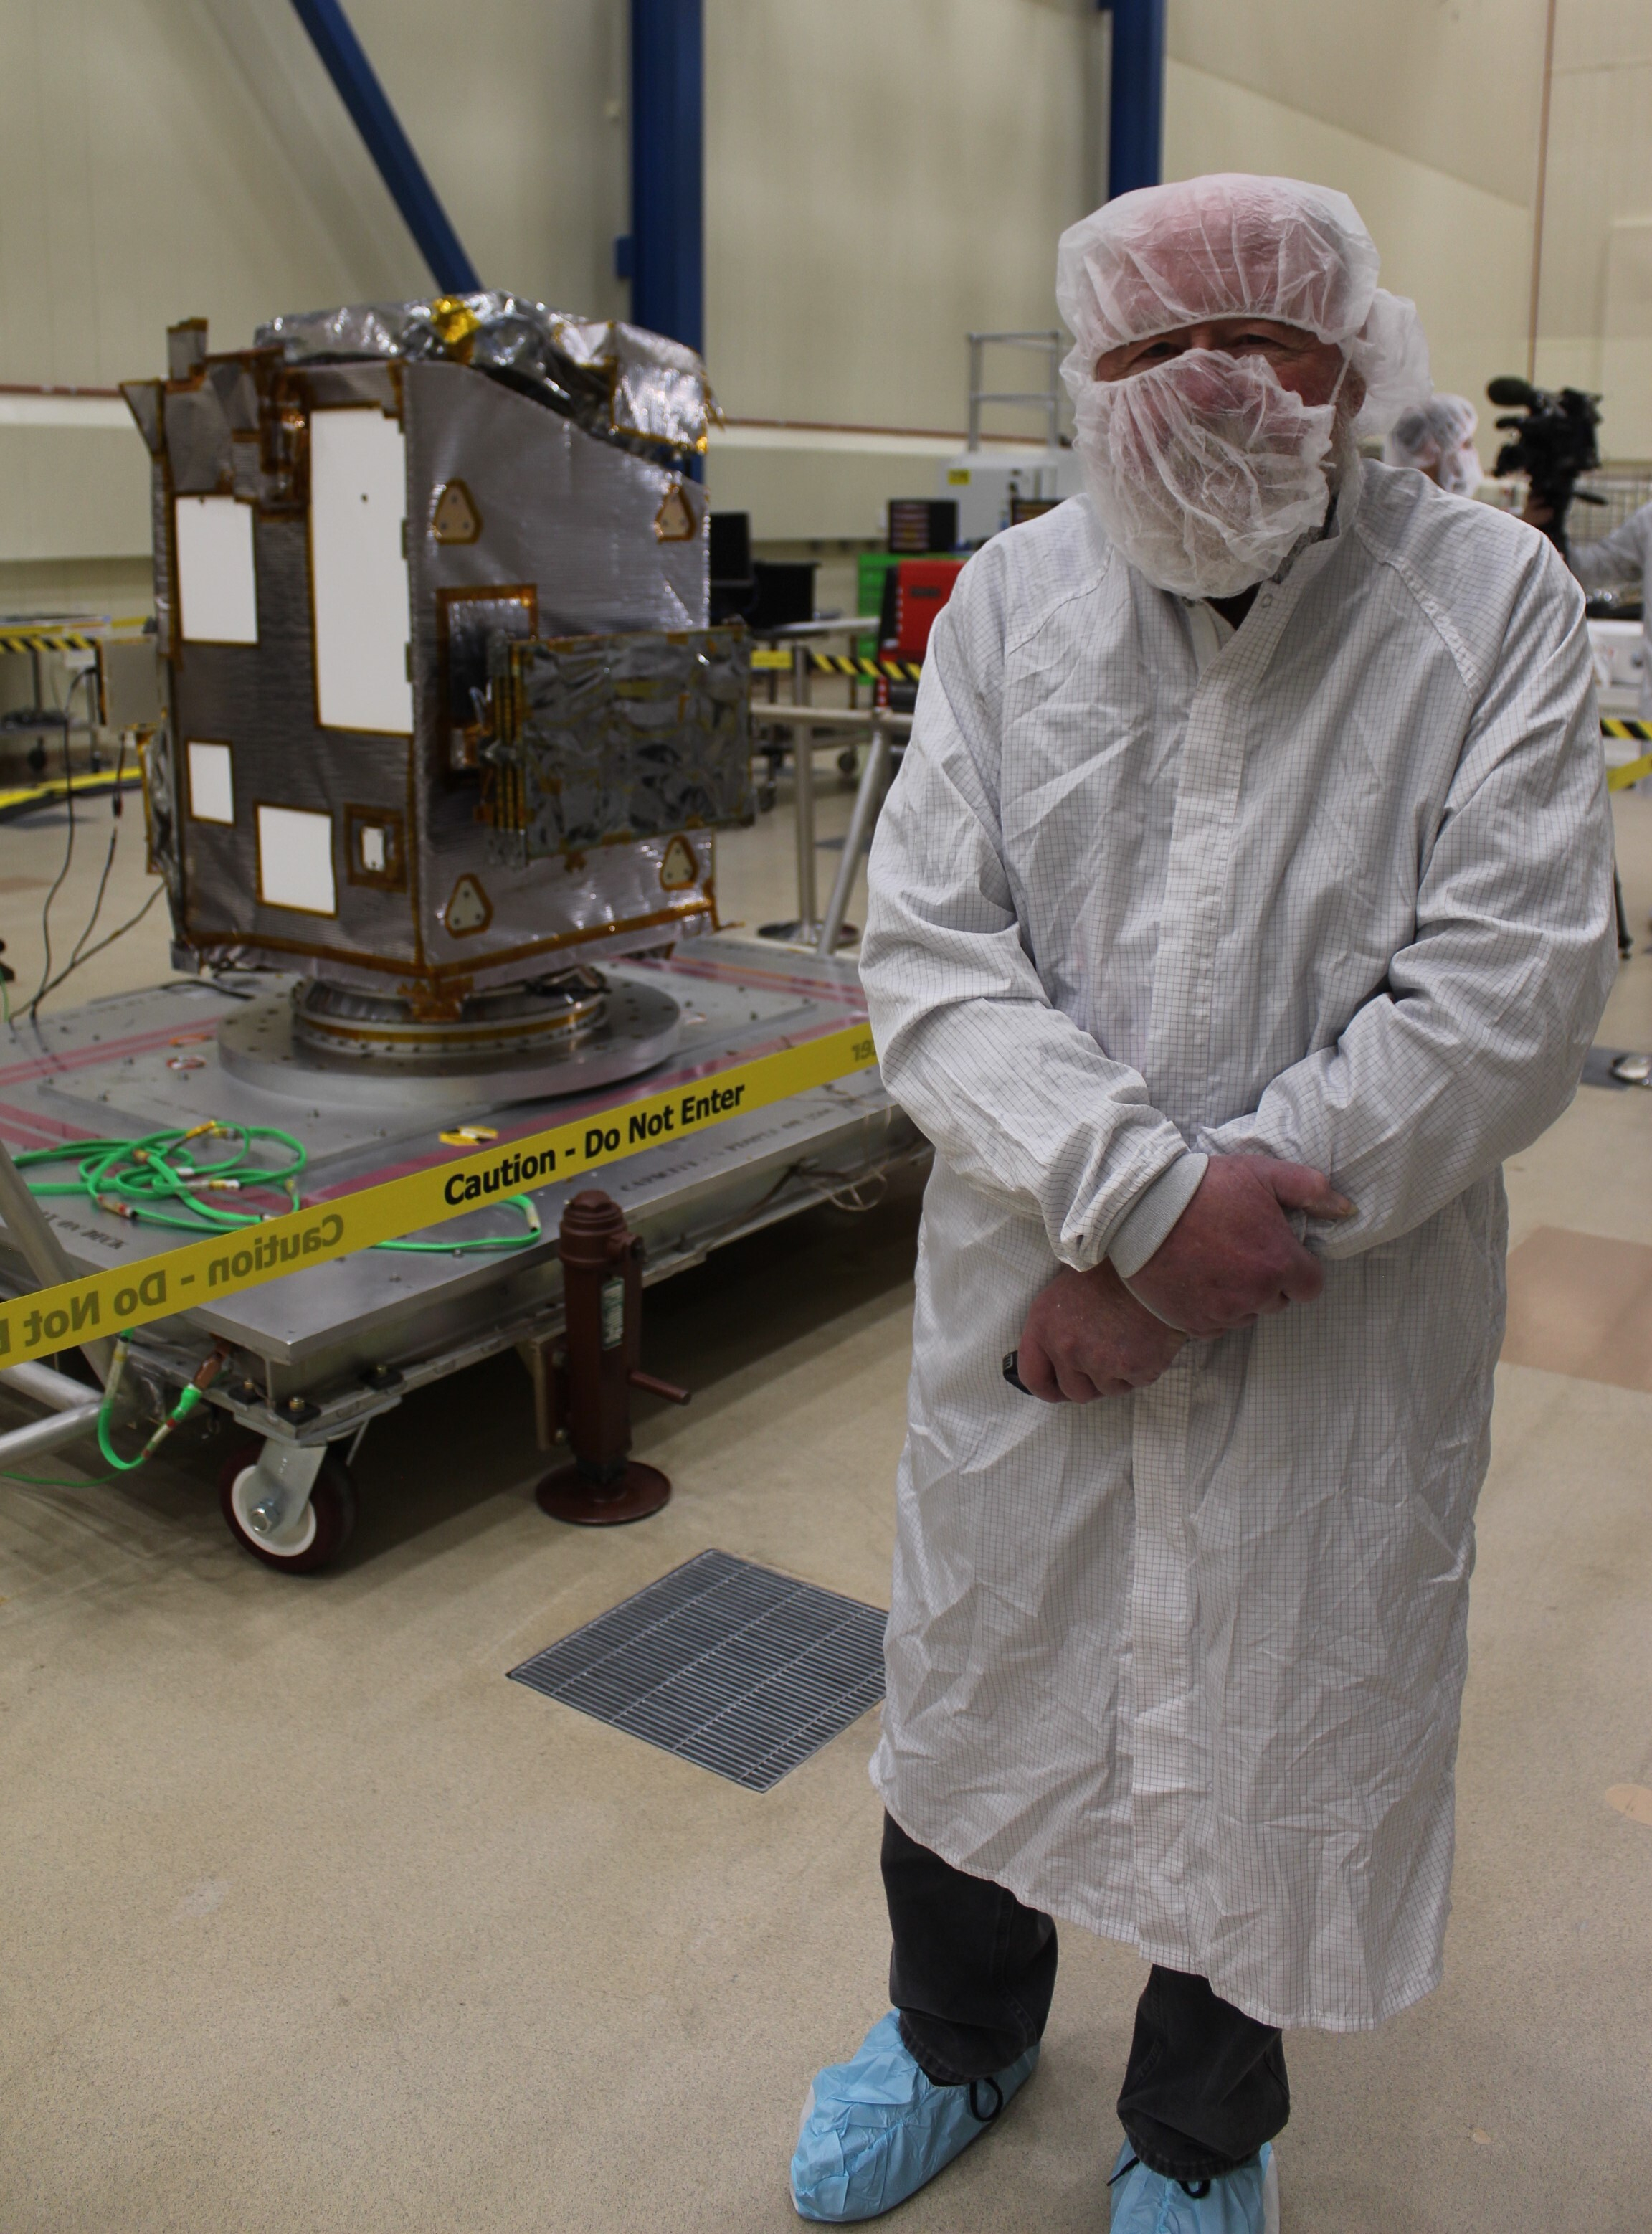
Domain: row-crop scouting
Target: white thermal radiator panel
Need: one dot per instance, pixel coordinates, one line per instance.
(212, 783)
(217, 598)
(358, 573)
(296, 861)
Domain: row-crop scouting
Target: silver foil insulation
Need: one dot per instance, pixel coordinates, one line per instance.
(347, 517)
(604, 739)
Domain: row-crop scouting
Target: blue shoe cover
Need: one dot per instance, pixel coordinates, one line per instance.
(1243, 2202)
(875, 2129)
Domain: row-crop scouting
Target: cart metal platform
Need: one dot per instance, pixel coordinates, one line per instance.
(316, 1355)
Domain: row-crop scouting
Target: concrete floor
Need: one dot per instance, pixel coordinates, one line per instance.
(315, 1922)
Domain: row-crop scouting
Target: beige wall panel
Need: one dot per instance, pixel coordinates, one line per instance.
(518, 110)
(1595, 322)
(1461, 254)
(139, 182)
(1456, 87)
(1619, 364)
(882, 176)
(73, 493)
(167, 157)
(796, 495)
(1597, 34)
(1600, 170)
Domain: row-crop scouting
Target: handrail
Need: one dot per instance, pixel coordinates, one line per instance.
(842, 717)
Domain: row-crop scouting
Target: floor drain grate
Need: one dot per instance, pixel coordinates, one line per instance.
(745, 1671)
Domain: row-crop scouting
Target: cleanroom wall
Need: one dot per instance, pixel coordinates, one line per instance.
(880, 176)
(168, 158)
(881, 179)
(1595, 312)
(1431, 118)
(1426, 116)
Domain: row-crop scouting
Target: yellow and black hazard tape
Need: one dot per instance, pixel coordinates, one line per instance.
(875, 670)
(47, 640)
(1620, 779)
(777, 662)
(53, 1318)
(65, 639)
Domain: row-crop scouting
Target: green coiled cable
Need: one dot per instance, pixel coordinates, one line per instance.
(143, 1179)
(148, 1181)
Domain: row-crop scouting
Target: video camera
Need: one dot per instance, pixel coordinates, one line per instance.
(1554, 442)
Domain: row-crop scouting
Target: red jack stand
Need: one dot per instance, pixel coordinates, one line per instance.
(584, 1395)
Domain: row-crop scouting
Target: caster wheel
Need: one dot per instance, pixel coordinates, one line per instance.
(767, 796)
(849, 763)
(321, 1531)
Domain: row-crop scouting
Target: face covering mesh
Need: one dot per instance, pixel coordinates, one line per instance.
(1205, 471)
(1235, 245)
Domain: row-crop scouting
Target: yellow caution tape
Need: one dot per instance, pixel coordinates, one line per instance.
(226, 1264)
(85, 786)
(1612, 726)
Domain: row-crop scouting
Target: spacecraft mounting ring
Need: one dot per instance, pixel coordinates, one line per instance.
(638, 1028)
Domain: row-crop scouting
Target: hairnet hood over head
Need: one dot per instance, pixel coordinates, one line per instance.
(1232, 245)
(1439, 438)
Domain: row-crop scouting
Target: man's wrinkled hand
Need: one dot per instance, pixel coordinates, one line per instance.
(1086, 1335)
(1231, 1257)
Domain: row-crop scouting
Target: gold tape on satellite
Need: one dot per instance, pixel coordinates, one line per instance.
(51, 1319)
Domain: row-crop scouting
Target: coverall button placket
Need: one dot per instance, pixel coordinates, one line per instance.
(1170, 1763)
(1165, 1768)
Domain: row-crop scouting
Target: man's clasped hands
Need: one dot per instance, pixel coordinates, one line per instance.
(1231, 1258)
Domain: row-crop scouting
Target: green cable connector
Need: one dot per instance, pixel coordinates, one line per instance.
(188, 1399)
(148, 1181)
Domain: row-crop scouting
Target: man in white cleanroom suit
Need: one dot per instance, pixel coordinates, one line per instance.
(1248, 880)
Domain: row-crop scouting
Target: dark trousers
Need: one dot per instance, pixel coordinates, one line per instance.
(972, 1974)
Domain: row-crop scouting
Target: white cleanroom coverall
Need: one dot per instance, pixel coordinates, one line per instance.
(1622, 557)
(1184, 1667)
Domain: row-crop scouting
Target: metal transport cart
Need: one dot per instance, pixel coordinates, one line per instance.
(315, 1356)
(444, 742)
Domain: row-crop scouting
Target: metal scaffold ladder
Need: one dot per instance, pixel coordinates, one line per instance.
(1047, 399)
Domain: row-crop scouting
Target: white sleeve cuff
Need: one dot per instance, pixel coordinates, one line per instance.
(1146, 1223)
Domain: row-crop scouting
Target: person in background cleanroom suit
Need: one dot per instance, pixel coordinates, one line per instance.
(1245, 898)
(1438, 439)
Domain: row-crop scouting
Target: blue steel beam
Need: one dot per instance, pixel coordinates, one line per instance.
(387, 144)
(1136, 94)
(668, 169)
